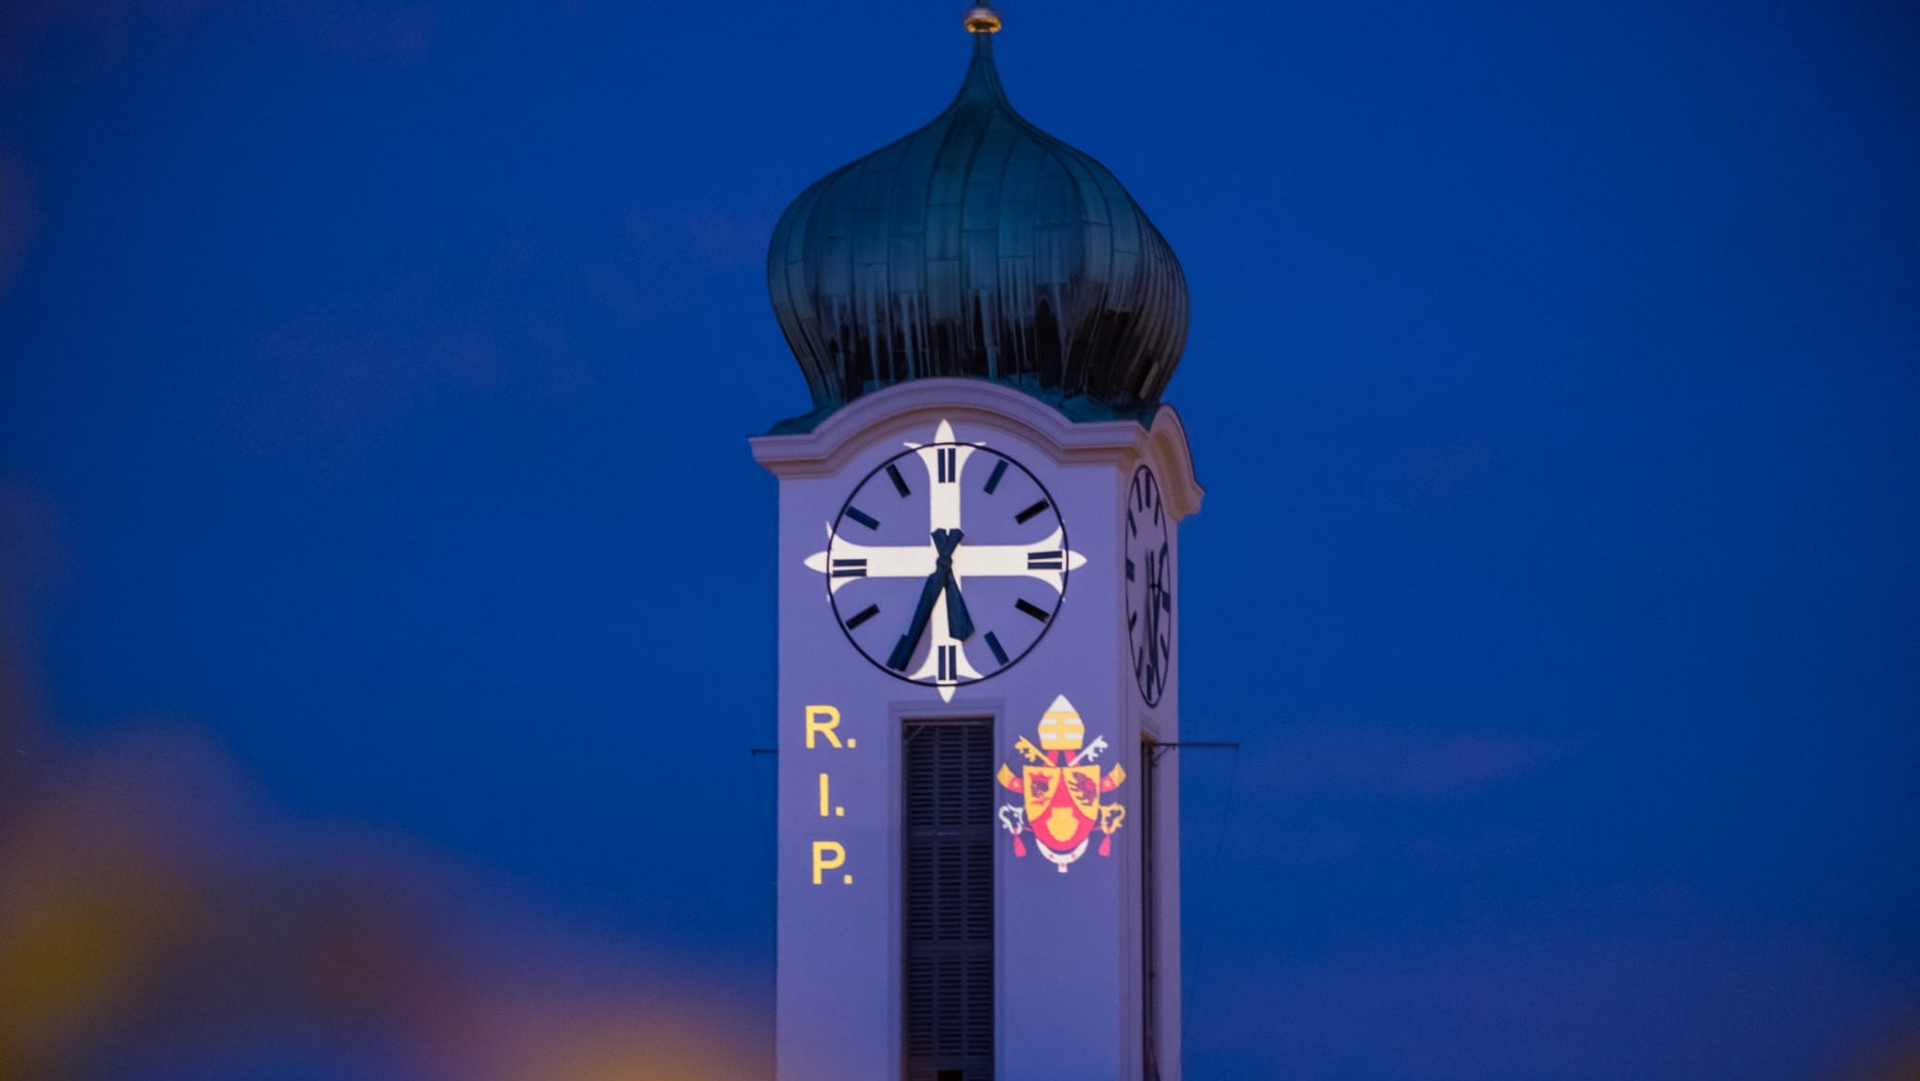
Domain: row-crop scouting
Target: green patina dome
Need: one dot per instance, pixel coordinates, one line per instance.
(979, 246)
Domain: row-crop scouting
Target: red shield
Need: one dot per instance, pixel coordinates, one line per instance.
(1063, 804)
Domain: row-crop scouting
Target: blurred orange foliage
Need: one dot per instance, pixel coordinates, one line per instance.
(152, 909)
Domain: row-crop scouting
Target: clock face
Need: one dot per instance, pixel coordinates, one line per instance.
(947, 563)
(1149, 586)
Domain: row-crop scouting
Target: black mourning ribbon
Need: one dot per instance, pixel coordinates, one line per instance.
(959, 621)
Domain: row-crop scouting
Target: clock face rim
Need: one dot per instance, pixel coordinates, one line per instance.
(1153, 696)
(1059, 599)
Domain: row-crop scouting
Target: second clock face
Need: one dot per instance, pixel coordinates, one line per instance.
(948, 563)
(1149, 585)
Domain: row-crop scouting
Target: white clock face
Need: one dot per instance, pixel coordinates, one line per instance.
(947, 563)
(1149, 585)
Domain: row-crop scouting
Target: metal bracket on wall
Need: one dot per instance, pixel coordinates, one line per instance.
(1160, 749)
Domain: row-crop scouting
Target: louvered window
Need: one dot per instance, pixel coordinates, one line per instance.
(949, 905)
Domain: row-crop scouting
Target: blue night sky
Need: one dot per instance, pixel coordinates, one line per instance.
(384, 579)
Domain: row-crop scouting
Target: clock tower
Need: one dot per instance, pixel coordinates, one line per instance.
(978, 853)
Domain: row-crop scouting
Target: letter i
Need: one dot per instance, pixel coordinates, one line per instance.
(824, 811)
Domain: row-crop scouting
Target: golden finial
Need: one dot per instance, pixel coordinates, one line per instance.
(983, 19)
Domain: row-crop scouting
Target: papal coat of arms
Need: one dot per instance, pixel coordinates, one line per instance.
(1063, 790)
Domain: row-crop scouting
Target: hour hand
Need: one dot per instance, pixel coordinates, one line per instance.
(959, 620)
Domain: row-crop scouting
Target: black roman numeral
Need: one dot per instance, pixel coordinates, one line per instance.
(1024, 516)
(999, 470)
(946, 461)
(899, 482)
(999, 654)
(863, 518)
(1032, 609)
(1045, 561)
(863, 615)
(849, 568)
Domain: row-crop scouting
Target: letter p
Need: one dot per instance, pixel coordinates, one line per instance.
(827, 855)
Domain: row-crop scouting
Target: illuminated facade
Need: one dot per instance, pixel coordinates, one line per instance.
(978, 869)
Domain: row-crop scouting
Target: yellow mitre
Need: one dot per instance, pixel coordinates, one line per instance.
(1061, 728)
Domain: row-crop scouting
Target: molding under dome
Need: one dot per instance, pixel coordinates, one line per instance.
(827, 449)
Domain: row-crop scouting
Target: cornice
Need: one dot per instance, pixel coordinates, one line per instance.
(832, 444)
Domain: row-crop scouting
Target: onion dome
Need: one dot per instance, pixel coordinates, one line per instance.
(981, 247)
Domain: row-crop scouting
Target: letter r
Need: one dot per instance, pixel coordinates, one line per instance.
(823, 719)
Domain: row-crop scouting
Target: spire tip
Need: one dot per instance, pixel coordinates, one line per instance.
(983, 19)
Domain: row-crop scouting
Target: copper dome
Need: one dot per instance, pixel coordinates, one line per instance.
(979, 246)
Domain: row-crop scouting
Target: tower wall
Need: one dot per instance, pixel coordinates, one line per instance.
(1067, 942)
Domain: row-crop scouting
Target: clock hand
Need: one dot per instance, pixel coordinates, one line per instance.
(959, 620)
(1149, 638)
(917, 626)
(1153, 618)
(944, 542)
(1146, 631)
